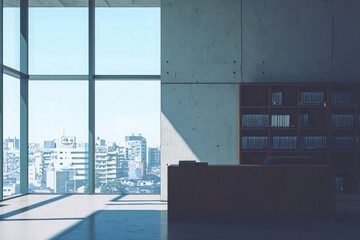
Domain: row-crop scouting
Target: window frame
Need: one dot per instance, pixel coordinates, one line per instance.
(24, 77)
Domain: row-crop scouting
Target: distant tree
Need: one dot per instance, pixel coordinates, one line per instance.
(113, 186)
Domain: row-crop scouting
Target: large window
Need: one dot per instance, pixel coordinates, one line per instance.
(58, 41)
(11, 146)
(81, 138)
(58, 137)
(127, 158)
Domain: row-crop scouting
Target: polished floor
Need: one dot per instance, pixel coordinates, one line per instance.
(145, 217)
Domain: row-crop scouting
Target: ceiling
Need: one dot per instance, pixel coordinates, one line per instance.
(84, 3)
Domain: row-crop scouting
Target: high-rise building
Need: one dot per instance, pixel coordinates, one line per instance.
(153, 157)
(122, 163)
(46, 159)
(110, 163)
(68, 162)
(105, 164)
(136, 150)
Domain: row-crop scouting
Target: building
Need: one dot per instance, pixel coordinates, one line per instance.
(50, 144)
(100, 142)
(11, 169)
(105, 164)
(47, 155)
(136, 169)
(58, 180)
(153, 158)
(110, 164)
(12, 143)
(136, 150)
(64, 164)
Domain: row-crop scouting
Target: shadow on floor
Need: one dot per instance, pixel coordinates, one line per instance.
(118, 224)
(117, 198)
(28, 208)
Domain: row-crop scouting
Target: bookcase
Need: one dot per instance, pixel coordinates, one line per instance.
(316, 120)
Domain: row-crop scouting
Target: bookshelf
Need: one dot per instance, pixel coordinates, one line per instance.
(321, 121)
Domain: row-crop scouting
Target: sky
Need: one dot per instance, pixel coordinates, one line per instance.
(127, 42)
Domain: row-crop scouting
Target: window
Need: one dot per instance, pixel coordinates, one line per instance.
(11, 136)
(126, 131)
(58, 113)
(127, 110)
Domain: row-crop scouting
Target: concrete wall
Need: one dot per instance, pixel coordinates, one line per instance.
(346, 40)
(209, 46)
(287, 40)
(200, 64)
(198, 122)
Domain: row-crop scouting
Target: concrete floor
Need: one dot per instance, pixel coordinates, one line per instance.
(145, 217)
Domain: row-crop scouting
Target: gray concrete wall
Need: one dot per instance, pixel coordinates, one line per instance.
(200, 62)
(209, 46)
(198, 122)
(346, 40)
(199, 41)
(287, 40)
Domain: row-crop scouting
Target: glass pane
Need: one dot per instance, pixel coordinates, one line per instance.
(58, 136)
(127, 158)
(11, 136)
(128, 41)
(58, 41)
(12, 37)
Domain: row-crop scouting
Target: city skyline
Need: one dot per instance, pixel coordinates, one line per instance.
(132, 168)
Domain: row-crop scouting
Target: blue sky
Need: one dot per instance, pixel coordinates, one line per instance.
(127, 42)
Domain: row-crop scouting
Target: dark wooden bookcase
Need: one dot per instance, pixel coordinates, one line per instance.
(316, 120)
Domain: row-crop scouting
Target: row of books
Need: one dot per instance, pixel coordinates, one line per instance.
(312, 98)
(284, 142)
(280, 120)
(342, 98)
(342, 120)
(313, 142)
(262, 120)
(277, 98)
(254, 120)
(254, 142)
(304, 120)
(342, 142)
(290, 142)
(316, 98)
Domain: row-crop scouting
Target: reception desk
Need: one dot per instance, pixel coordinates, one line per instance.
(253, 191)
